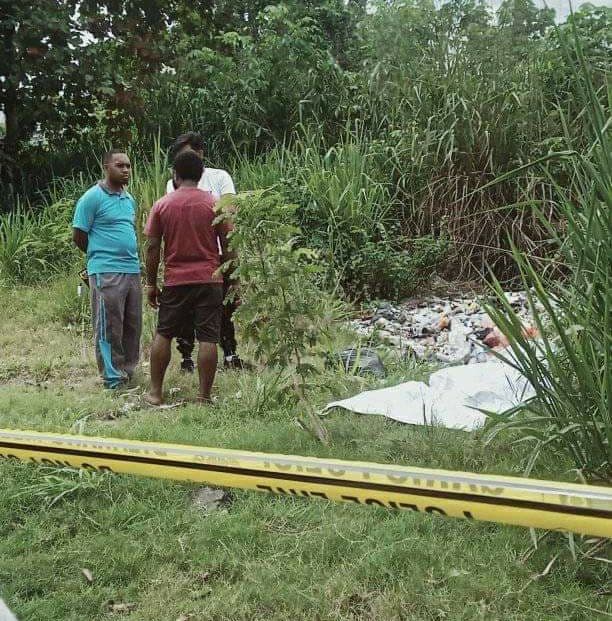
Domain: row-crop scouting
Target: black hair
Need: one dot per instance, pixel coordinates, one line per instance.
(190, 139)
(108, 156)
(188, 166)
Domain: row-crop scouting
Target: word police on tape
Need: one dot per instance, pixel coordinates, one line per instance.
(582, 509)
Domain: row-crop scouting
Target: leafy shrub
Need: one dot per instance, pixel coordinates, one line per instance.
(283, 311)
(347, 212)
(385, 270)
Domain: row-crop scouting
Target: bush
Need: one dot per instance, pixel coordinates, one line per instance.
(283, 311)
(346, 211)
(392, 268)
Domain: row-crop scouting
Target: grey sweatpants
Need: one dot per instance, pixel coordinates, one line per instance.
(116, 311)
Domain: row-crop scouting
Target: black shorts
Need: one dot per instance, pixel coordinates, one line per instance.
(188, 307)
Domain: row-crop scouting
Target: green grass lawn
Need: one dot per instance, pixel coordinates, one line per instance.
(264, 557)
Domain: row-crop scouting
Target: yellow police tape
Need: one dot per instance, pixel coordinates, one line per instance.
(582, 509)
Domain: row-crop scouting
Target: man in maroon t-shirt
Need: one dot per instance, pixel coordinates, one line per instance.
(193, 288)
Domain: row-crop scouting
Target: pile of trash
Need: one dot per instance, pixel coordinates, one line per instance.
(455, 330)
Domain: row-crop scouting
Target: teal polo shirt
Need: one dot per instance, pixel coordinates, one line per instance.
(109, 220)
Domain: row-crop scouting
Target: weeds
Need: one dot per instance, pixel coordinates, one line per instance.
(283, 311)
(57, 484)
(34, 247)
(347, 211)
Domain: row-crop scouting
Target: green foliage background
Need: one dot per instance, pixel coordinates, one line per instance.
(379, 123)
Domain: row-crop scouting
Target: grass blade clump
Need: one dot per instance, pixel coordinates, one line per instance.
(569, 364)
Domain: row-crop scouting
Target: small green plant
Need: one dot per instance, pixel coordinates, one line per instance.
(257, 395)
(57, 484)
(283, 311)
(71, 302)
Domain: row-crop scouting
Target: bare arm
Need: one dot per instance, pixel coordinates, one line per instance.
(152, 267)
(80, 239)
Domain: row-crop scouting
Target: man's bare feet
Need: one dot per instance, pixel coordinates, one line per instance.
(153, 399)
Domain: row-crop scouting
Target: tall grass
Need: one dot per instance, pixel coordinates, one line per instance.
(17, 233)
(569, 365)
(150, 173)
(348, 209)
(451, 134)
(34, 246)
(345, 184)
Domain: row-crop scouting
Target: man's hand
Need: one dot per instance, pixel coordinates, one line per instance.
(152, 296)
(80, 239)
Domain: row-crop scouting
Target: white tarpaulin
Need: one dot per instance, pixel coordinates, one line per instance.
(449, 399)
(5, 613)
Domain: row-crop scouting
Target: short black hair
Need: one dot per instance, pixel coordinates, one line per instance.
(108, 156)
(190, 139)
(188, 166)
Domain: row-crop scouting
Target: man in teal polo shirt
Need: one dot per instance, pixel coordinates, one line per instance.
(104, 228)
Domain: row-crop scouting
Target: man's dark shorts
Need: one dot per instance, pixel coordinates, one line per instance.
(200, 306)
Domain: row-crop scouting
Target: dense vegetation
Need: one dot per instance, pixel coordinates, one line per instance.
(379, 124)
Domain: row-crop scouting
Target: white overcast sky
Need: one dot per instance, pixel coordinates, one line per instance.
(562, 7)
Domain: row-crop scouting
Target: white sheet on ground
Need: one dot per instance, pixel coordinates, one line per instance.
(5, 613)
(449, 398)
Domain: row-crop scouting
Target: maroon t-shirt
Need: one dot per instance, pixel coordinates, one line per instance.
(184, 221)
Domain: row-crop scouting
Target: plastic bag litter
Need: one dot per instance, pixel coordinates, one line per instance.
(362, 361)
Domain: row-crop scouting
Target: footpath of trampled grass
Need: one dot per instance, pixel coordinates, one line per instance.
(264, 557)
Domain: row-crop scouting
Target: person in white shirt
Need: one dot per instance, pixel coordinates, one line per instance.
(214, 180)
(220, 184)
